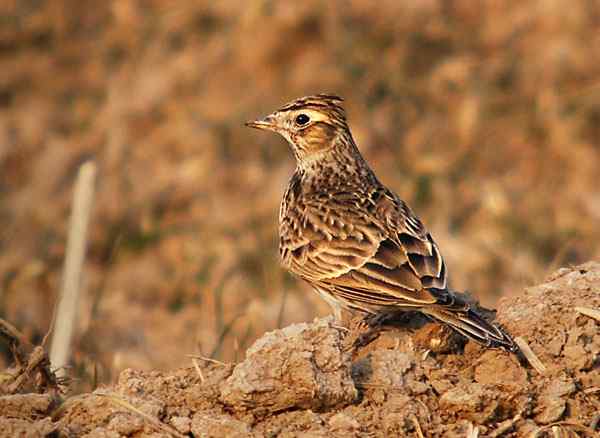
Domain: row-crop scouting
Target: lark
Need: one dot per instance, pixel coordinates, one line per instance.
(350, 237)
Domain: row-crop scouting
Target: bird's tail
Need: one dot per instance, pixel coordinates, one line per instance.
(472, 325)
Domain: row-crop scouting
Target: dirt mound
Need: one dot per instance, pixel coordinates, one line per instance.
(304, 380)
(484, 118)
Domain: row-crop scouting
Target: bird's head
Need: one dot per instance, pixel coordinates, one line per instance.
(313, 125)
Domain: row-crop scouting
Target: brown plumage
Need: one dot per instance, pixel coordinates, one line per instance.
(354, 240)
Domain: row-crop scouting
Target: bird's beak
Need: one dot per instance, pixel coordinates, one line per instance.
(268, 123)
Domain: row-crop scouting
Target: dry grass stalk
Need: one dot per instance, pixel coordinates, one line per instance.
(16, 341)
(64, 317)
(417, 426)
(207, 359)
(472, 431)
(564, 429)
(592, 313)
(152, 420)
(528, 353)
(198, 370)
(505, 426)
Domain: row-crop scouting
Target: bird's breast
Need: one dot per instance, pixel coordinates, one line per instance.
(324, 224)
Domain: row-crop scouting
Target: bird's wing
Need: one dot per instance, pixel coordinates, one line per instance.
(369, 251)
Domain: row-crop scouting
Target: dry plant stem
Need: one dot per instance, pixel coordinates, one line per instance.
(558, 427)
(152, 420)
(64, 318)
(528, 353)
(37, 359)
(207, 359)
(592, 390)
(417, 426)
(592, 313)
(282, 308)
(473, 431)
(505, 426)
(198, 370)
(16, 341)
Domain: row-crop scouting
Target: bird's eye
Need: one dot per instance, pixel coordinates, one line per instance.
(302, 119)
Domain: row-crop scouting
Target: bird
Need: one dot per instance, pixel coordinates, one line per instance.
(353, 239)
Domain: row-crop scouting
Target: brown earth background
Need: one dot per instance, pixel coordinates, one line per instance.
(485, 119)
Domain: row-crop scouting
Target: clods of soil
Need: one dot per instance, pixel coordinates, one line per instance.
(304, 380)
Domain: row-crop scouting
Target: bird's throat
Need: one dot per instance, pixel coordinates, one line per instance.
(335, 166)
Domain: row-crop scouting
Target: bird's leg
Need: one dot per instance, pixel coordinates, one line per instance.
(337, 313)
(333, 303)
(374, 320)
(366, 338)
(373, 323)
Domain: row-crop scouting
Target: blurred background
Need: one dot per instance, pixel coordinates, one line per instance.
(486, 120)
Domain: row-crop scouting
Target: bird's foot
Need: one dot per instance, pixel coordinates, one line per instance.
(366, 329)
(365, 338)
(377, 320)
